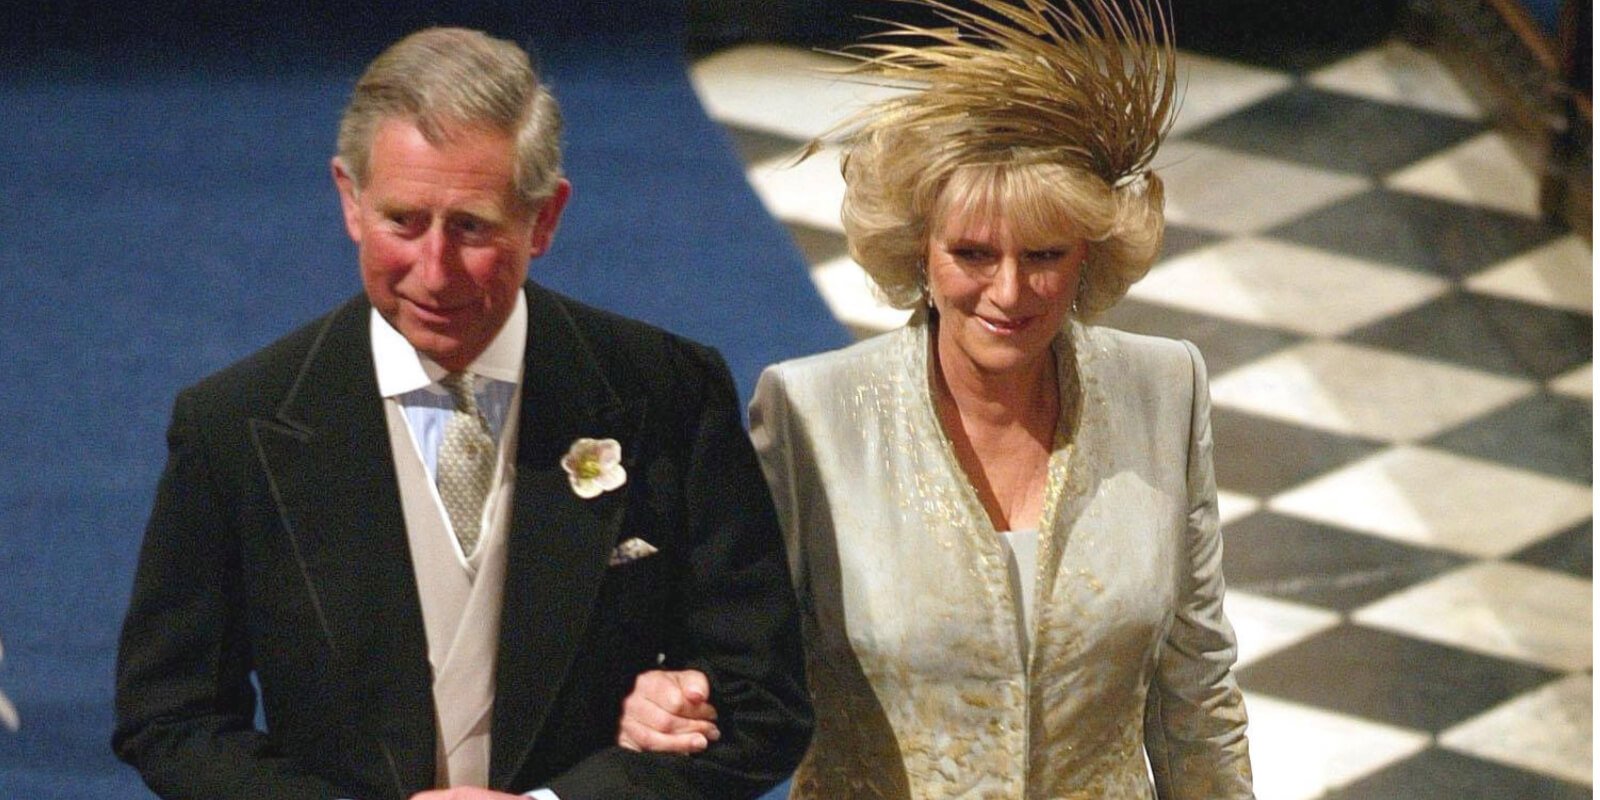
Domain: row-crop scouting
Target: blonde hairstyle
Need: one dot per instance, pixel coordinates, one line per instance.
(1048, 115)
(444, 79)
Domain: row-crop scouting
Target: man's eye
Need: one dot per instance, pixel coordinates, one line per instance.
(406, 222)
(473, 229)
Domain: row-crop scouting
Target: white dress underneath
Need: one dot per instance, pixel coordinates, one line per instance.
(1022, 549)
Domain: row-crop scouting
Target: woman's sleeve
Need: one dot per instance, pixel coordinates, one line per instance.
(771, 432)
(1194, 716)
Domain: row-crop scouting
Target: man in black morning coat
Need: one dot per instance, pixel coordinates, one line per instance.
(298, 537)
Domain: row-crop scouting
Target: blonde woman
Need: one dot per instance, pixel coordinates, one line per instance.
(1001, 519)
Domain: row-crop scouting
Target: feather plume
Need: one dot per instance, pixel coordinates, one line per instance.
(1076, 82)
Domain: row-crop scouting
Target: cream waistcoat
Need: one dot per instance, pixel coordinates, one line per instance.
(460, 606)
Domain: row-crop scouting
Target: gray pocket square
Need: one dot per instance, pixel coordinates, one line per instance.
(631, 550)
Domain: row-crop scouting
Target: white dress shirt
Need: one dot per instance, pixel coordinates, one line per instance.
(412, 380)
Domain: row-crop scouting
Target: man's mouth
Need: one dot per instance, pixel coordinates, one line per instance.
(433, 314)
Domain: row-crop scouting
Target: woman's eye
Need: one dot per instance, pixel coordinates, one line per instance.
(1046, 255)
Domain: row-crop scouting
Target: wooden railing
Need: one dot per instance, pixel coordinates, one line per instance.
(1535, 83)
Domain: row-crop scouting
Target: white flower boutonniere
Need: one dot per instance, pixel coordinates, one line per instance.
(594, 466)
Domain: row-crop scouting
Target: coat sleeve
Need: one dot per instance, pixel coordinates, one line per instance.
(776, 446)
(736, 615)
(185, 704)
(1195, 716)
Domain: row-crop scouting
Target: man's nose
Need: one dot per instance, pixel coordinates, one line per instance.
(435, 257)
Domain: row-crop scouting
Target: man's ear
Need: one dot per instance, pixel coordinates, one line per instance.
(348, 198)
(548, 218)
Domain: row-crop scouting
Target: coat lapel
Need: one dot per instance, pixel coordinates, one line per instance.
(558, 544)
(1074, 478)
(327, 457)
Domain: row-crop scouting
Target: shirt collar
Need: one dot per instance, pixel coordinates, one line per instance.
(402, 369)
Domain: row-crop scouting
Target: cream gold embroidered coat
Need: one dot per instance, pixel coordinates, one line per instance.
(921, 685)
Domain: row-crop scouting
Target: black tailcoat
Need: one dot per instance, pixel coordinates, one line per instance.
(277, 549)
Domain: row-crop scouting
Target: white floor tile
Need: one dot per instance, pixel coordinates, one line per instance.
(1500, 608)
(784, 90)
(1265, 625)
(808, 192)
(1211, 88)
(853, 299)
(1233, 506)
(1299, 752)
(1578, 382)
(1442, 500)
(1288, 286)
(1228, 192)
(1547, 730)
(1396, 72)
(1560, 274)
(1482, 171)
(1363, 391)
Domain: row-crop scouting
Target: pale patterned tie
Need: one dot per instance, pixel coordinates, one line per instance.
(466, 461)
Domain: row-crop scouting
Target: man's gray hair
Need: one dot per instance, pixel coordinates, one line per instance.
(445, 79)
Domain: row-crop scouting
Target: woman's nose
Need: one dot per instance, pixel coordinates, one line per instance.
(1006, 285)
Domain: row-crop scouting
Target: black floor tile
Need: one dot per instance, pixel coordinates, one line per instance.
(1224, 344)
(1448, 775)
(755, 146)
(1336, 131)
(1261, 457)
(1553, 434)
(1422, 233)
(1494, 334)
(1305, 562)
(1388, 678)
(818, 245)
(1571, 551)
(1180, 240)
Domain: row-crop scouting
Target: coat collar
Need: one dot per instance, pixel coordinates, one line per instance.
(557, 556)
(329, 466)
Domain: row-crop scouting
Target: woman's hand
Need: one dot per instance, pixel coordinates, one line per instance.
(669, 712)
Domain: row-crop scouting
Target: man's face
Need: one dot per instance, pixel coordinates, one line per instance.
(443, 241)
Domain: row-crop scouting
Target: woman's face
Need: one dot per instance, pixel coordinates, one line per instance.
(1001, 299)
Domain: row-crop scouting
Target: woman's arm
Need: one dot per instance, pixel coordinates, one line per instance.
(1195, 716)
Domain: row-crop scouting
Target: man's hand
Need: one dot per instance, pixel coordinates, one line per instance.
(465, 793)
(669, 712)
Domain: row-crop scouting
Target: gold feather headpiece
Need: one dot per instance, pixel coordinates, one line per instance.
(1081, 83)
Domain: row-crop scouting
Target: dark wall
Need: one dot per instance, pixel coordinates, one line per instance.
(1548, 13)
(1230, 27)
(274, 36)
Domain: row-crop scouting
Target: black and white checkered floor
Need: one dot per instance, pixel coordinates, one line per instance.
(1400, 352)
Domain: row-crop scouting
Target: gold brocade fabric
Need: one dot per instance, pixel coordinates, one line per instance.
(920, 683)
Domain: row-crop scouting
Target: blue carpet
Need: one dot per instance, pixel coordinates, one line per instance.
(167, 210)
